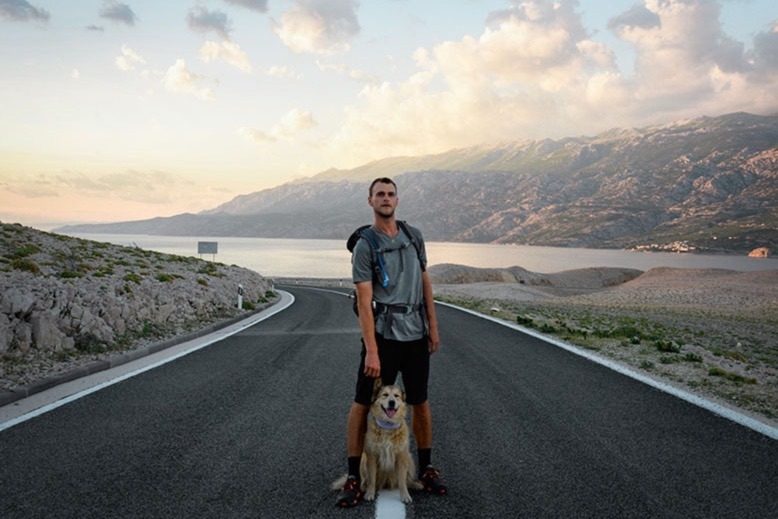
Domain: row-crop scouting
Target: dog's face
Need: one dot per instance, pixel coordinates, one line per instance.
(389, 404)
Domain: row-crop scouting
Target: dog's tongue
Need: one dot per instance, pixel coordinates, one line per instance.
(390, 412)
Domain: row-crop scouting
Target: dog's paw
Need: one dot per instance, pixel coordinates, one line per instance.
(406, 498)
(370, 495)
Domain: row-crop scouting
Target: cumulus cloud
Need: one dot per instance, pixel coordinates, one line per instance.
(291, 124)
(128, 59)
(22, 11)
(118, 12)
(179, 79)
(202, 20)
(535, 71)
(226, 51)
(255, 5)
(319, 26)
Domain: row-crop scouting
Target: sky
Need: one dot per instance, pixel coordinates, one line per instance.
(121, 110)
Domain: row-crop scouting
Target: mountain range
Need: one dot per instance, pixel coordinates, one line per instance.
(708, 184)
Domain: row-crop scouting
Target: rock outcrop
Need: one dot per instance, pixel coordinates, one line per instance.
(63, 295)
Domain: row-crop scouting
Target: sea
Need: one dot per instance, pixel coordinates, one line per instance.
(273, 257)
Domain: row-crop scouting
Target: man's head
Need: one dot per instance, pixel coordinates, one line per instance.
(383, 197)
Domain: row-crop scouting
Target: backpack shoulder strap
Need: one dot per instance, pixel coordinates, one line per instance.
(404, 227)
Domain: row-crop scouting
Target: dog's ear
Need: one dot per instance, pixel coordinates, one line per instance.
(377, 385)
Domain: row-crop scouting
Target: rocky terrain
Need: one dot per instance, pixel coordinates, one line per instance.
(711, 331)
(707, 184)
(64, 301)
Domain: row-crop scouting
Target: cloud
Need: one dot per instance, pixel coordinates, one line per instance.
(202, 20)
(152, 187)
(765, 54)
(638, 16)
(118, 12)
(96, 28)
(319, 26)
(536, 72)
(75, 74)
(255, 5)
(22, 11)
(128, 59)
(291, 124)
(179, 79)
(225, 51)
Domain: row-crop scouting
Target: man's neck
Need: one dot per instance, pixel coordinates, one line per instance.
(386, 225)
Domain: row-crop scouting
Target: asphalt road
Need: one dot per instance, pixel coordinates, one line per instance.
(253, 426)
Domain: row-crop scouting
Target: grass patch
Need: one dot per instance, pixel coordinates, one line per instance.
(25, 264)
(728, 375)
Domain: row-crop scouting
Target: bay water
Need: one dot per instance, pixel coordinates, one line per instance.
(276, 257)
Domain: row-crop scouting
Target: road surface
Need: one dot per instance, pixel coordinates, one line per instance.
(253, 426)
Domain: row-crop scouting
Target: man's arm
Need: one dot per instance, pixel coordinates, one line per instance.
(432, 318)
(367, 325)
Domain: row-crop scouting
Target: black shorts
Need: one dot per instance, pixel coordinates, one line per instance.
(411, 358)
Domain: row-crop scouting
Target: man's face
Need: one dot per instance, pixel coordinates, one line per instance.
(384, 199)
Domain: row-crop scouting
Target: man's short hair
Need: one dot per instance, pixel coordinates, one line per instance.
(381, 180)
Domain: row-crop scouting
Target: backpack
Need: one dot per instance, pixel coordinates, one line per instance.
(380, 275)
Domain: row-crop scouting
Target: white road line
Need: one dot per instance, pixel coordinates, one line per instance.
(721, 410)
(388, 505)
(60, 395)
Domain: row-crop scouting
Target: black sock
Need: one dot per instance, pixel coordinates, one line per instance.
(425, 458)
(353, 466)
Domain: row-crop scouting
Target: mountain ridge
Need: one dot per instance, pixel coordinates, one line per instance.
(708, 182)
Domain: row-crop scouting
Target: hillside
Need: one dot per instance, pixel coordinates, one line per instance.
(711, 182)
(63, 299)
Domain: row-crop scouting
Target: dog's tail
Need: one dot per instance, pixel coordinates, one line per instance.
(338, 483)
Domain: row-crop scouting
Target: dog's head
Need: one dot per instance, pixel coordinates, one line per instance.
(389, 404)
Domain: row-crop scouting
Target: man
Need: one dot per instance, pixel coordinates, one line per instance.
(399, 332)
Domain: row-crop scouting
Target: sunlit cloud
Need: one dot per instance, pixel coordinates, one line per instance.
(22, 11)
(128, 59)
(202, 20)
(226, 51)
(179, 79)
(118, 12)
(291, 124)
(75, 74)
(536, 72)
(319, 26)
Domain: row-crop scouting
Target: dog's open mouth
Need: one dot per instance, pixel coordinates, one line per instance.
(389, 412)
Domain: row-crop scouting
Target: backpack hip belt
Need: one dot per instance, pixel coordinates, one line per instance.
(381, 308)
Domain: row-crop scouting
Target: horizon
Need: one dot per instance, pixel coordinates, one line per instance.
(117, 111)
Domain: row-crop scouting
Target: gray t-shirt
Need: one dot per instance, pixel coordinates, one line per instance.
(405, 286)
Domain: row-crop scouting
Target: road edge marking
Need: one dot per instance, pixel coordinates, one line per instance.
(700, 401)
(165, 356)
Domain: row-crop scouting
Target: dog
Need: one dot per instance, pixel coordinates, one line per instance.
(386, 458)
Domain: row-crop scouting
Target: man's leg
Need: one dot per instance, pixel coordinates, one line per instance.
(351, 494)
(422, 431)
(356, 428)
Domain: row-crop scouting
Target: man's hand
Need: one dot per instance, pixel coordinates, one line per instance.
(433, 341)
(372, 364)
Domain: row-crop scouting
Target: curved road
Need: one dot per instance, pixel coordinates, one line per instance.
(253, 426)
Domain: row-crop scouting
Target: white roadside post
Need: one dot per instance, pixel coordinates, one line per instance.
(240, 297)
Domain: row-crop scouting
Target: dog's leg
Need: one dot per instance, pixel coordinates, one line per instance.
(370, 480)
(403, 464)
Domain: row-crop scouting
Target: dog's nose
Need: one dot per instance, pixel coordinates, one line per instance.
(391, 404)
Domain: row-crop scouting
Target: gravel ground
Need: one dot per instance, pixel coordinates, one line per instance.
(712, 331)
